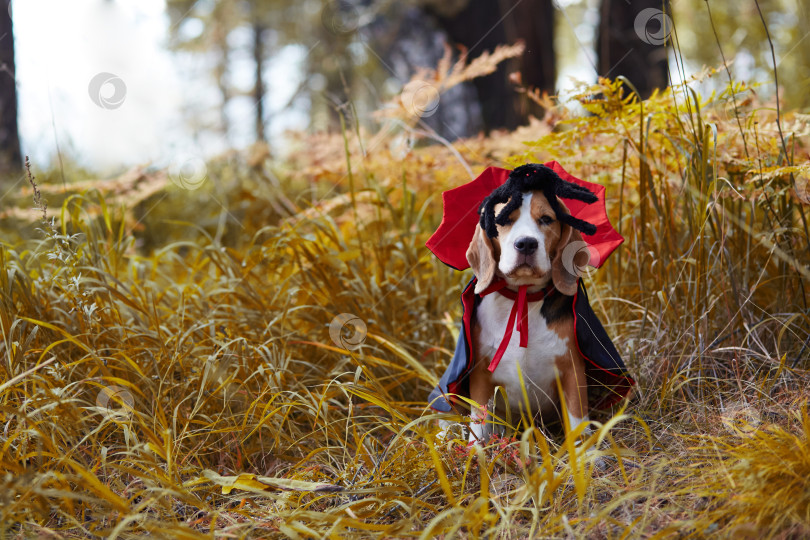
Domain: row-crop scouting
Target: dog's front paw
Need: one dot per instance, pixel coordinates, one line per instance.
(477, 431)
(591, 453)
(478, 427)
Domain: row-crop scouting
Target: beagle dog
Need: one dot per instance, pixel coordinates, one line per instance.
(527, 324)
(528, 252)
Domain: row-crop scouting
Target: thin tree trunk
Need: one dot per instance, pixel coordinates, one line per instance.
(258, 90)
(10, 154)
(336, 66)
(219, 39)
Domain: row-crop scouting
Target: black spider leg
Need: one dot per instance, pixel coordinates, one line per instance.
(514, 203)
(578, 224)
(501, 194)
(569, 190)
(487, 219)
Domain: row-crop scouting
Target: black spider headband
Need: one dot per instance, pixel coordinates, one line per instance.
(529, 178)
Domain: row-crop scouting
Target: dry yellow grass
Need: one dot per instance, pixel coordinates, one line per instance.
(177, 377)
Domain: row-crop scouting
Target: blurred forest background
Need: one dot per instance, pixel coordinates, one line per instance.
(250, 70)
(218, 316)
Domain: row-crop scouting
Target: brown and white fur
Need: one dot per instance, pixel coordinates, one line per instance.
(527, 251)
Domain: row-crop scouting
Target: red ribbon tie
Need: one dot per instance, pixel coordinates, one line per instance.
(521, 306)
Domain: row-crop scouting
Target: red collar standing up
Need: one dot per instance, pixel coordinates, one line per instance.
(460, 215)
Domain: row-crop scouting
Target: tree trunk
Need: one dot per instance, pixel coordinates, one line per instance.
(482, 25)
(258, 90)
(219, 39)
(632, 42)
(476, 27)
(532, 21)
(10, 155)
(338, 31)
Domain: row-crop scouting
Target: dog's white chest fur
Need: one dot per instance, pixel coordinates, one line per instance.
(537, 361)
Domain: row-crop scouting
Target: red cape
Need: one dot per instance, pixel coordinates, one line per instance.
(460, 216)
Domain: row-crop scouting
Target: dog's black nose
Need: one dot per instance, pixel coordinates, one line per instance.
(526, 245)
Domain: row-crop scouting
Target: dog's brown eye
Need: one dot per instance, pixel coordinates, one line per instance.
(546, 220)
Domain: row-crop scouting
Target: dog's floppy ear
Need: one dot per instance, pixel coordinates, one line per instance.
(481, 256)
(570, 259)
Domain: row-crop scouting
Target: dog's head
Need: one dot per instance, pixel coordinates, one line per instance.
(524, 229)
